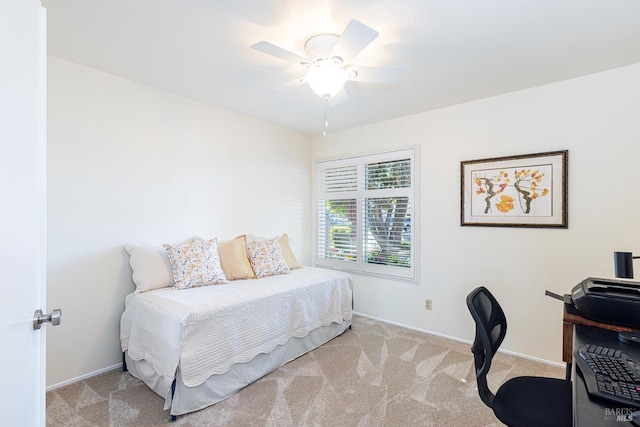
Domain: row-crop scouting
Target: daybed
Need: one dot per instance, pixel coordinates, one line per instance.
(199, 345)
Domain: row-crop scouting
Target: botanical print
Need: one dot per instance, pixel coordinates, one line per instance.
(516, 191)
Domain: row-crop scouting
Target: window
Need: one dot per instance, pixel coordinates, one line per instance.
(367, 214)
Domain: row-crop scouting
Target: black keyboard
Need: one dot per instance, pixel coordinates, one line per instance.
(609, 374)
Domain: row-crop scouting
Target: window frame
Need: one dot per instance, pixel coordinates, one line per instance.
(360, 265)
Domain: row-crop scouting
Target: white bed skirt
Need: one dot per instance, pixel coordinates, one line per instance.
(219, 387)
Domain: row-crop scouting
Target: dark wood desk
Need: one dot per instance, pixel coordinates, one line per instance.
(594, 412)
(569, 320)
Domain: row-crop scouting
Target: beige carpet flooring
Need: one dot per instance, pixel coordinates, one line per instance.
(375, 374)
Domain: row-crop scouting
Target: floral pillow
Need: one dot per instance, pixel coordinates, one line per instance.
(266, 258)
(195, 264)
(287, 252)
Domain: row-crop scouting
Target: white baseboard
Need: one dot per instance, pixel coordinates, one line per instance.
(84, 377)
(424, 331)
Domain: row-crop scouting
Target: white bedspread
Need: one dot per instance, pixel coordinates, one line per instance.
(207, 330)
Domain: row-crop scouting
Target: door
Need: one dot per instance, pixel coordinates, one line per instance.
(22, 211)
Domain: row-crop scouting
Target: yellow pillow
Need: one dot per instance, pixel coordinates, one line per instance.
(234, 259)
(287, 253)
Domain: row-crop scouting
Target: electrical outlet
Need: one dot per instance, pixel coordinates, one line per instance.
(427, 304)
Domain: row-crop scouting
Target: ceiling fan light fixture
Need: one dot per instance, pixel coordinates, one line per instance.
(326, 77)
(326, 58)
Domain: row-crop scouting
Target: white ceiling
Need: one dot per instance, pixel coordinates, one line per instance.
(454, 50)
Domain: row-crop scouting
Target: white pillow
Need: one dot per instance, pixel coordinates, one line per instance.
(151, 267)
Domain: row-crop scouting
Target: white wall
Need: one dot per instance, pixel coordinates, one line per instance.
(596, 119)
(131, 164)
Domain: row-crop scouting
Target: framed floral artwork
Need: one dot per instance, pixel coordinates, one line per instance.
(518, 191)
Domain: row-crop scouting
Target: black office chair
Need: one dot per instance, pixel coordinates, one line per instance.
(521, 401)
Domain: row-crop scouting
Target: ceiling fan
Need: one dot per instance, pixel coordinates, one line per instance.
(328, 62)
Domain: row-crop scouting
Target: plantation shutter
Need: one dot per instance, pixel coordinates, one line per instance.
(387, 213)
(366, 214)
(338, 213)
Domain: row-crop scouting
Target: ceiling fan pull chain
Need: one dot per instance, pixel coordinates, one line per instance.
(326, 116)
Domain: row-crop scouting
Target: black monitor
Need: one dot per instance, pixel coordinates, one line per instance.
(623, 264)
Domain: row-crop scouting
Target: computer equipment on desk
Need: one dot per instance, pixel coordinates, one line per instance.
(609, 374)
(631, 338)
(609, 301)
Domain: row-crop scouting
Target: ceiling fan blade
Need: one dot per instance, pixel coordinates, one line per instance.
(355, 37)
(381, 75)
(339, 98)
(278, 52)
(297, 82)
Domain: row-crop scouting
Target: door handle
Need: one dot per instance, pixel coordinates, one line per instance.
(55, 317)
